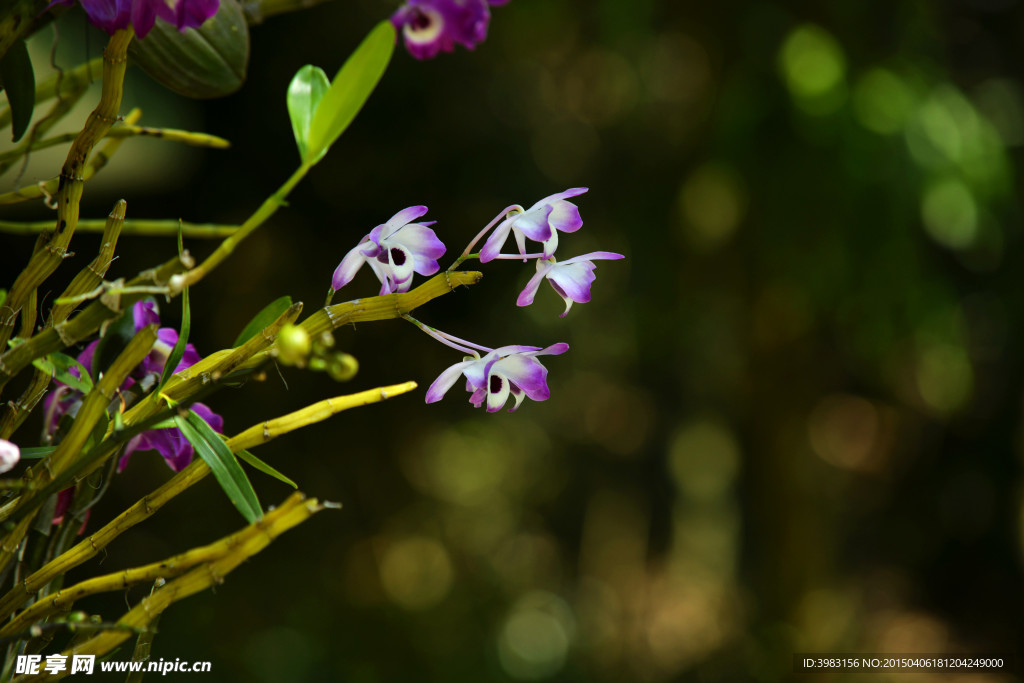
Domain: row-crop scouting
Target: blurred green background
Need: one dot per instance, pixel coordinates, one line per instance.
(790, 420)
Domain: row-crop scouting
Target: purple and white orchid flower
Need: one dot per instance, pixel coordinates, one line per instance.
(394, 251)
(571, 278)
(170, 442)
(541, 223)
(112, 15)
(10, 454)
(430, 27)
(505, 371)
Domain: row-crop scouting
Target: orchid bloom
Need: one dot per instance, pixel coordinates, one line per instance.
(541, 223)
(10, 454)
(571, 279)
(394, 250)
(505, 371)
(170, 442)
(112, 15)
(434, 26)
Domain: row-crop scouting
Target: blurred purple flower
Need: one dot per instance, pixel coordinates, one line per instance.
(505, 371)
(571, 279)
(170, 443)
(434, 26)
(541, 223)
(10, 454)
(394, 250)
(112, 15)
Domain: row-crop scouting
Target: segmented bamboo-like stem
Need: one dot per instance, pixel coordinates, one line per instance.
(49, 187)
(45, 478)
(217, 561)
(69, 190)
(132, 226)
(86, 280)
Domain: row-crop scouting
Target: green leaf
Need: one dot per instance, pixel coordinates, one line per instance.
(36, 452)
(348, 92)
(304, 94)
(58, 366)
(222, 463)
(3, 296)
(263, 467)
(269, 314)
(179, 348)
(20, 83)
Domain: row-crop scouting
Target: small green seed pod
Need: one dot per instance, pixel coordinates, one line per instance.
(342, 367)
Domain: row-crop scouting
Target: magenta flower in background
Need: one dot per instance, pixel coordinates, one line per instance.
(505, 371)
(430, 27)
(541, 223)
(571, 279)
(112, 15)
(170, 442)
(394, 250)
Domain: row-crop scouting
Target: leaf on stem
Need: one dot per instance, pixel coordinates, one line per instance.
(304, 94)
(223, 464)
(263, 467)
(350, 89)
(179, 348)
(269, 314)
(58, 366)
(19, 80)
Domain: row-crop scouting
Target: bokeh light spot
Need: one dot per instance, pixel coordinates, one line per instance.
(704, 459)
(882, 101)
(534, 640)
(944, 377)
(950, 213)
(844, 431)
(813, 67)
(712, 201)
(416, 572)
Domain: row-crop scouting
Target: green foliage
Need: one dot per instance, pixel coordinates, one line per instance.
(263, 467)
(19, 81)
(223, 464)
(114, 339)
(304, 94)
(348, 92)
(269, 314)
(179, 348)
(58, 366)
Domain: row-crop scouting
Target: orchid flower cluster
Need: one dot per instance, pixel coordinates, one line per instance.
(400, 247)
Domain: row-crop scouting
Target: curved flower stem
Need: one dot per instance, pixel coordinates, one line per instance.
(448, 339)
(466, 253)
(69, 190)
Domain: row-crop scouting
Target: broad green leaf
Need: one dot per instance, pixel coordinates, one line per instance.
(269, 314)
(304, 94)
(20, 83)
(348, 92)
(179, 348)
(36, 452)
(263, 467)
(222, 463)
(58, 366)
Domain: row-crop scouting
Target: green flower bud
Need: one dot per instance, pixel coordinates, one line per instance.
(342, 367)
(293, 345)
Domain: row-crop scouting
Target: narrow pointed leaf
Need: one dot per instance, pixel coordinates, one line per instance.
(36, 452)
(263, 467)
(222, 462)
(20, 83)
(179, 348)
(304, 94)
(348, 92)
(269, 314)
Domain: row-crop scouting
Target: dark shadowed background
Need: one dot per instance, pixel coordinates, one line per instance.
(790, 420)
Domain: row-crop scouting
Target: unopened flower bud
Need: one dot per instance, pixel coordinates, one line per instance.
(342, 367)
(293, 345)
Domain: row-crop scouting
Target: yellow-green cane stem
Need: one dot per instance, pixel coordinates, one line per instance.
(88, 278)
(69, 190)
(150, 228)
(182, 481)
(236, 550)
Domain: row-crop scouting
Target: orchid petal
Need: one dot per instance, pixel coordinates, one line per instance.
(403, 217)
(348, 267)
(534, 223)
(527, 373)
(492, 247)
(446, 380)
(497, 391)
(565, 216)
(530, 291)
(573, 281)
